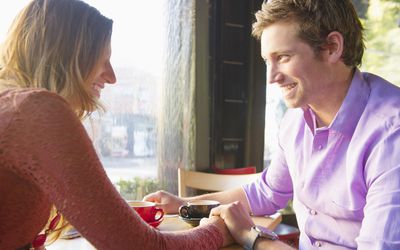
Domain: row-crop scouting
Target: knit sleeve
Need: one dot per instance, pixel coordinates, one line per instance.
(48, 136)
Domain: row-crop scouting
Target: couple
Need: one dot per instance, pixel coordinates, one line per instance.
(338, 143)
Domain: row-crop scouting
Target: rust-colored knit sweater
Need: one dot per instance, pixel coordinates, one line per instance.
(46, 157)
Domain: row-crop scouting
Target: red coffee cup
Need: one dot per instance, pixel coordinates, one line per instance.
(147, 211)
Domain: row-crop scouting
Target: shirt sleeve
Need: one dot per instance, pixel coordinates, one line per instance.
(273, 189)
(380, 227)
(64, 165)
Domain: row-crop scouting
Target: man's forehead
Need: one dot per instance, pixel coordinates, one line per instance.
(280, 36)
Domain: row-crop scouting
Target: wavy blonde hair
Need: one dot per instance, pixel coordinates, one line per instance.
(56, 45)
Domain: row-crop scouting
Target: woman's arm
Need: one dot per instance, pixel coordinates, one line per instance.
(66, 167)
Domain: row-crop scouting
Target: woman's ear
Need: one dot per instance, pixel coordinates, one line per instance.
(334, 46)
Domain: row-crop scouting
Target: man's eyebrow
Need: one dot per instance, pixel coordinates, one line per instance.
(288, 51)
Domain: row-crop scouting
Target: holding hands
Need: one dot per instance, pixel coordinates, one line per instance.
(233, 219)
(239, 223)
(236, 218)
(170, 204)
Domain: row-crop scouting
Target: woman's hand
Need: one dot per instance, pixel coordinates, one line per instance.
(236, 218)
(168, 202)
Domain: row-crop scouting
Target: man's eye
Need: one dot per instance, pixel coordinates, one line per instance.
(283, 58)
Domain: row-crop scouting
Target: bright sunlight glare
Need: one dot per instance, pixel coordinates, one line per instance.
(136, 32)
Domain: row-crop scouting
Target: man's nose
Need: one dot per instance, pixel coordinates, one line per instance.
(273, 74)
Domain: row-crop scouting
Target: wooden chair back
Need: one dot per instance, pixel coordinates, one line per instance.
(210, 181)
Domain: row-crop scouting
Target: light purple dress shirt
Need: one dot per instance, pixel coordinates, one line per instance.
(344, 179)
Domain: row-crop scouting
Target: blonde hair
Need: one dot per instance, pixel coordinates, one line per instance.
(56, 44)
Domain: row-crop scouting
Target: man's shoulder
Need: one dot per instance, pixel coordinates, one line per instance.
(381, 88)
(384, 100)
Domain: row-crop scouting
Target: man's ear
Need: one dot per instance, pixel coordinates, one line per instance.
(334, 46)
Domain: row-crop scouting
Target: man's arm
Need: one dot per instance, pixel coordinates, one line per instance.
(379, 229)
(171, 203)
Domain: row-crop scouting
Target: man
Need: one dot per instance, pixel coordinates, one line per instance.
(339, 142)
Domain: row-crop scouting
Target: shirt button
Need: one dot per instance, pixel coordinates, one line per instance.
(318, 244)
(319, 147)
(313, 212)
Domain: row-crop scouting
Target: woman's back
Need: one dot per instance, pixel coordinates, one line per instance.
(23, 208)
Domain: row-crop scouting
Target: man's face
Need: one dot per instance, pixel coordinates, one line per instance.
(292, 64)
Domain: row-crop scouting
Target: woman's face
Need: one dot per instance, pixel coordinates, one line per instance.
(103, 74)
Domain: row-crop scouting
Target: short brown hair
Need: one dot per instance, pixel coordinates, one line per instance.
(316, 19)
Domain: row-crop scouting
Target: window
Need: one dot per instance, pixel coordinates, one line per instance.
(148, 112)
(274, 111)
(125, 135)
(382, 25)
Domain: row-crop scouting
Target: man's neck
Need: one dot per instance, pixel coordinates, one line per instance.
(326, 110)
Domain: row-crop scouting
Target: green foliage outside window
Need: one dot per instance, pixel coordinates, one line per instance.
(137, 187)
(382, 39)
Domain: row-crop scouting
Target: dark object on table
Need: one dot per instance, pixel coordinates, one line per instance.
(192, 221)
(288, 234)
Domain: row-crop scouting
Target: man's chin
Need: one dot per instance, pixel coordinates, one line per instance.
(291, 105)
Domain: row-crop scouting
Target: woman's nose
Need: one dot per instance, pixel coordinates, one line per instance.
(109, 75)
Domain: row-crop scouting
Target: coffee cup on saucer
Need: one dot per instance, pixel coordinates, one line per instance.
(148, 211)
(197, 209)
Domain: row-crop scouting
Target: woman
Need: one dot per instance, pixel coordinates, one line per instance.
(54, 64)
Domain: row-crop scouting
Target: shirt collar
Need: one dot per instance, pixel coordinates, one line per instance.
(351, 109)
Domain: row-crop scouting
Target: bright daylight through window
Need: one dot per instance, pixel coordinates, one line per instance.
(125, 135)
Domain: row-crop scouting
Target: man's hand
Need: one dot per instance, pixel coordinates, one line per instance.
(236, 218)
(217, 221)
(168, 202)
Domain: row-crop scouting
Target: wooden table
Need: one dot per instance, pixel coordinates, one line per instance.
(170, 223)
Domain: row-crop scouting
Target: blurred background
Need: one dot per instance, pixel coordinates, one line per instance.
(191, 89)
